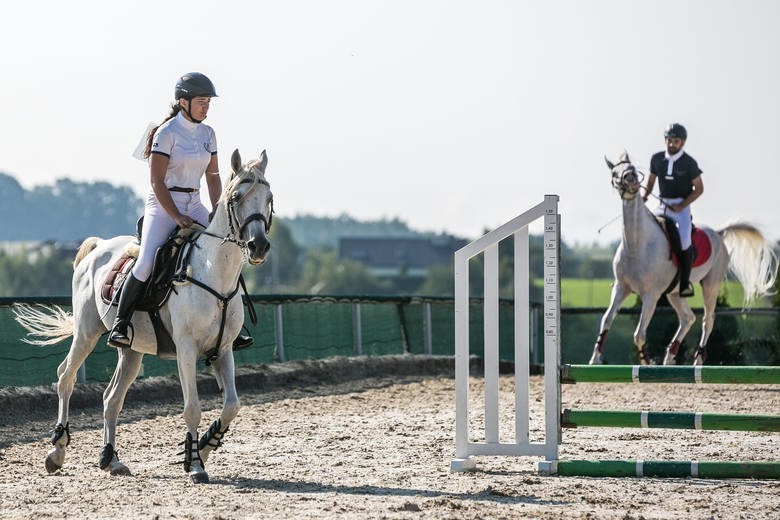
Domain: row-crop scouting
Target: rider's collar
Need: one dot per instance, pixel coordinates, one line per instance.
(186, 123)
(672, 158)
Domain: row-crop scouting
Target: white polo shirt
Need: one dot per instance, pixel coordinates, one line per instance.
(188, 146)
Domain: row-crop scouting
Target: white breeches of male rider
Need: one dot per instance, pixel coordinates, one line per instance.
(682, 219)
(158, 226)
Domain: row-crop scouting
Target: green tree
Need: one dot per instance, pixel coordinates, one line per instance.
(282, 269)
(324, 272)
(42, 273)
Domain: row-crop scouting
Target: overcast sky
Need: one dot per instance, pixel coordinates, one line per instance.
(453, 116)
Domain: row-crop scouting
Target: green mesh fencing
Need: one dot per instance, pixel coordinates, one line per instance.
(319, 327)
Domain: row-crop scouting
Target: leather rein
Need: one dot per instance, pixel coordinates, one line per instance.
(235, 238)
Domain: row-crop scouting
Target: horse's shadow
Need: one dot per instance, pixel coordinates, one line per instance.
(296, 486)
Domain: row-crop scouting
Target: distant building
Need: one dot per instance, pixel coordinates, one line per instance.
(393, 257)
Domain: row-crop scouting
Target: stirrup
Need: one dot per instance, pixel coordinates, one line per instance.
(686, 292)
(123, 340)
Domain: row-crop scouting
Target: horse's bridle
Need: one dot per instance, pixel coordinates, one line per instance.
(236, 199)
(233, 220)
(628, 181)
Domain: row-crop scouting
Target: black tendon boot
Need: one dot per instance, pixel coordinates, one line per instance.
(131, 293)
(686, 261)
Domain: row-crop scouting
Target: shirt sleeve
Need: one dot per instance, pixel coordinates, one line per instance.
(695, 170)
(163, 142)
(655, 165)
(212, 141)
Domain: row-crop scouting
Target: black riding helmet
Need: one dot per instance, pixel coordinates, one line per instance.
(194, 84)
(676, 130)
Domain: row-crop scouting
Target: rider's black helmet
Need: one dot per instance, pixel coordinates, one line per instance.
(194, 84)
(676, 130)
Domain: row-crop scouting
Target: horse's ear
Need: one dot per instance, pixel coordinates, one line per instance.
(263, 161)
(624, 157)
(235, 161)
(609, 164)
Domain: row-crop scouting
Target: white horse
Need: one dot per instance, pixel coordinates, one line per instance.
(642, 265)
(202, 315)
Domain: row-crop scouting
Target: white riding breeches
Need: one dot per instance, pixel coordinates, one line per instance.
(158, 226)
(681, 219)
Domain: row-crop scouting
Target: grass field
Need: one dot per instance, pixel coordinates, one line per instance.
(581, 292)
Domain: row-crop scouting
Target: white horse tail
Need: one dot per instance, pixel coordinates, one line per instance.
(51, 324)
(753, 261)
(84, 249)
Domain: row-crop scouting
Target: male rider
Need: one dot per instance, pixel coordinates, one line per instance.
(679, 181)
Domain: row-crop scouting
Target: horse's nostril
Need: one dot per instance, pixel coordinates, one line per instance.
(258, 246)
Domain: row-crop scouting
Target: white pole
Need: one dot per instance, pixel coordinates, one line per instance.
(522, 345)
(490, 312)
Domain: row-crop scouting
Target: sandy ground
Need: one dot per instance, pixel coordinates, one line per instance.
(376, 445)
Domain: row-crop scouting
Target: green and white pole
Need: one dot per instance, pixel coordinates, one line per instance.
(664, 469)
(676, 420)
(765, 375)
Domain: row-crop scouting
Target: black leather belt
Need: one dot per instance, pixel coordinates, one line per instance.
(182, 190)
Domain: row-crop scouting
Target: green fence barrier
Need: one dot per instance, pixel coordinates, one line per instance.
(323, 326)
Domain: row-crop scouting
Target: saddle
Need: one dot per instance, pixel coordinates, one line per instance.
(700, 242)
(170, 266)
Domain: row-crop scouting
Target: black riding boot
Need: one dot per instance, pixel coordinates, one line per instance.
(242, 341)
(686, 261)
(132, 290)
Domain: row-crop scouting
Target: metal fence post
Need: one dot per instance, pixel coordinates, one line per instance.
(357, 330)
(279, 354)
(427, 329)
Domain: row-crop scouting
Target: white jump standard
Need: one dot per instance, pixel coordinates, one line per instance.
(555, 374)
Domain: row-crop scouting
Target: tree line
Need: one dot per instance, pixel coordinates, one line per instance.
(303, 259)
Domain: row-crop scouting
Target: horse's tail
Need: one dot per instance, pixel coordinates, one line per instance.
(51, 324)
(753, 261)
(84, 249)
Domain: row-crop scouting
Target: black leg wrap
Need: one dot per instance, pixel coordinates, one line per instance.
(213, 437)
(58, 432)
(191, 452)
(106, 456)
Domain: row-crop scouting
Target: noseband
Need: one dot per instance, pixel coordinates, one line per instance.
(628, 181)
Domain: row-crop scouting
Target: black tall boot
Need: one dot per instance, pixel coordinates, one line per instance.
(242, 341)
(132, 290)
(686, 261)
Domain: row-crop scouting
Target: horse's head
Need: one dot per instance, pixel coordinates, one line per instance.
(625, 177)
(250, 206)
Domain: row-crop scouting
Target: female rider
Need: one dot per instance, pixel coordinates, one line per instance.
(180, 151)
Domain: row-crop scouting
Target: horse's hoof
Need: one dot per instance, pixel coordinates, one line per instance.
(55, 459)
(119, 470)
(199, 477)
(595, 359)
(51, 466)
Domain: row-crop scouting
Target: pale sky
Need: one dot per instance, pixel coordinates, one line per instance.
(452, 115)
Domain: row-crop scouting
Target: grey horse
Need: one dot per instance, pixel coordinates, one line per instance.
(642, 265)
(202, 315)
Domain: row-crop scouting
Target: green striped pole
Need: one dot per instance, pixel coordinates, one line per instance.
(661, 468)
(768, 375)
(677, 420)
